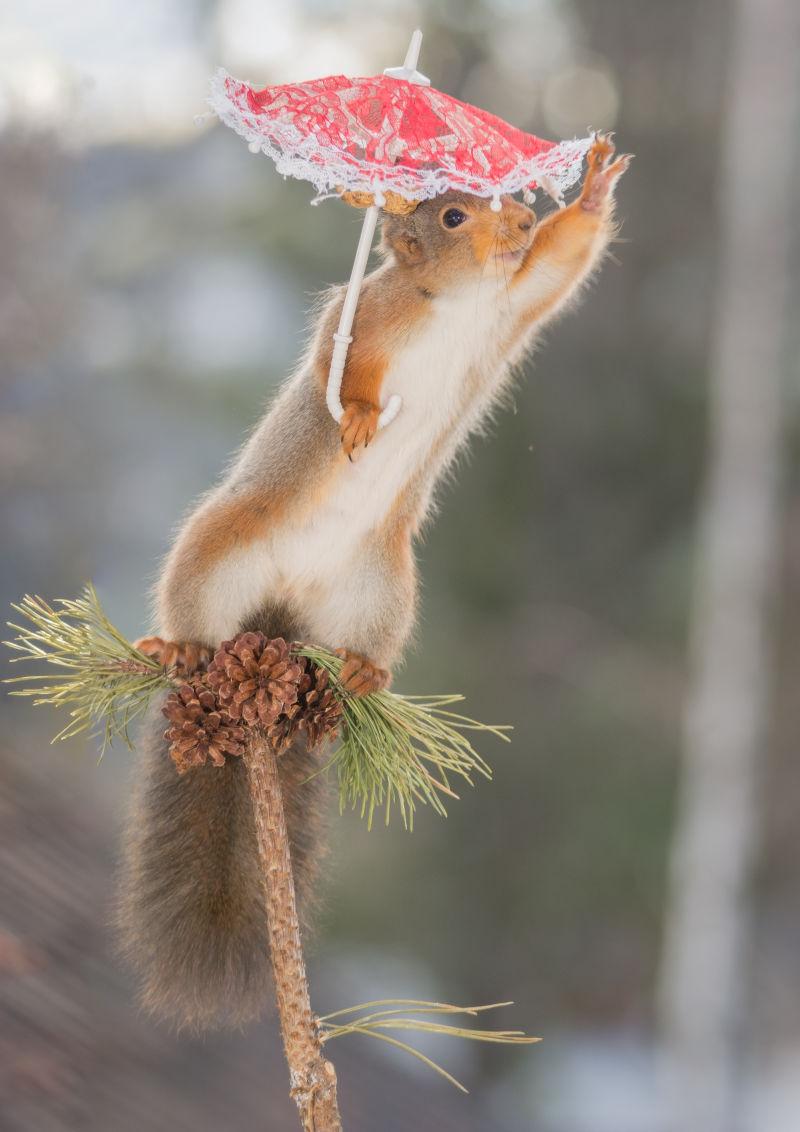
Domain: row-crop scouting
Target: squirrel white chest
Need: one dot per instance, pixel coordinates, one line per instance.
(440, 373)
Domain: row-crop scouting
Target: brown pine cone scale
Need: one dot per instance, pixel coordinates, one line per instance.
(320, 712)
(253, 681)
(255, 678)
(198, 731)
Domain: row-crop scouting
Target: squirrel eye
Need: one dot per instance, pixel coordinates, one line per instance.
(453, 217)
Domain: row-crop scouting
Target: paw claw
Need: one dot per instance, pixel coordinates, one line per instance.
(185, 656)
(602, 174)
(601, 151)
(359, 676)
(359, 425)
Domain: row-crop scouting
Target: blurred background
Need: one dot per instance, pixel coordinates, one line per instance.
(615, 571)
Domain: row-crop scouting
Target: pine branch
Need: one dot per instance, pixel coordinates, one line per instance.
(104, 681)
(398, 1015)
(395, 751)
(313, 1077)
(401, 750)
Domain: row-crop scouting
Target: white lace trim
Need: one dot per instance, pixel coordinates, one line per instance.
(331, 171)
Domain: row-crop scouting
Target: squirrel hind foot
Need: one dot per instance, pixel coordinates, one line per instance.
(185, 656)
(359, 676)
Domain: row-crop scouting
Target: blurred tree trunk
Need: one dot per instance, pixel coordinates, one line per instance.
(702, 992)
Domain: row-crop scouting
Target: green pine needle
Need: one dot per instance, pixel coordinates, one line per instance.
(394, 751)
(104, 681)
(397, 1014)
(401, 749)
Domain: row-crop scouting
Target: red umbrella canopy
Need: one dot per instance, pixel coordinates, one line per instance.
(385, 133)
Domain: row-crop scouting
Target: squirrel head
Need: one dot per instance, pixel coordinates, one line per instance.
(455, 236)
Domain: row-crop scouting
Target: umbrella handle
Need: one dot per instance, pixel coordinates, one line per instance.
(342, 338)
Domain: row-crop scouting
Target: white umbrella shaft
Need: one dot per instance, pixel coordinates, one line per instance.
(342, 338)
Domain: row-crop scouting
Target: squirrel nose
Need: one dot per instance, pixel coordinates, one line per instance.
(517, 216)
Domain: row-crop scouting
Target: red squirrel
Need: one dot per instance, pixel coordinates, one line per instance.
(310, 536)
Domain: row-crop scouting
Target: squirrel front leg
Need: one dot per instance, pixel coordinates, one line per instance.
(365, 368)
(361, 385)
(569, 244)
(361, 388)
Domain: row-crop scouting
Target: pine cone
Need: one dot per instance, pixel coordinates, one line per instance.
(255, 679)
(281, 734)
(320, 711)
(199, 731)
(316, 714)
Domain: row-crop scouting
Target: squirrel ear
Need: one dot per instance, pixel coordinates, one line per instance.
(407, 248)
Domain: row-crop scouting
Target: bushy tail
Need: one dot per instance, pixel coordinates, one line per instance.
(191, 914)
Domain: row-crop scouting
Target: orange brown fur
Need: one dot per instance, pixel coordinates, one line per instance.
(569, 238)
(379, 326)
(185, 656)
(240, 522)
(217, 528)
(359, 676)
(486, 235)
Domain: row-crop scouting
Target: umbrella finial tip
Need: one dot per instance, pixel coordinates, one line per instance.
(412, 55)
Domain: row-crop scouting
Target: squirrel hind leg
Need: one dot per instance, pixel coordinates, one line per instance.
(190, 915)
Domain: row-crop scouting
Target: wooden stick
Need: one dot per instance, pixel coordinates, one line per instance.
(313, 1077)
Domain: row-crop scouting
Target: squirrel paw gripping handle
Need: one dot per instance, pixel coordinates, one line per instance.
(342, 338)
(333, 393)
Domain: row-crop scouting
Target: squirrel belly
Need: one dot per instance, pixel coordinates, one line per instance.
(309, 536)
(317, 561)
